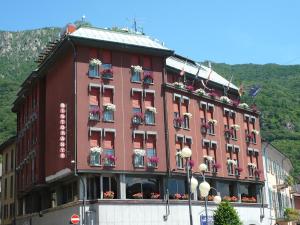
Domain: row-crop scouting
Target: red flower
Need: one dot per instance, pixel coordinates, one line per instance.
(217, 165)
(239, 169)
(153, 159)
(191, 163)
(107, 71)
(190, 88)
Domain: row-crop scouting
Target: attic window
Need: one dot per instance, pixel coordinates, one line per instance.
(229, 147)
(213, 145)
(206, 143)
(203, 105)
(252, 119)
(210, 107)
(226, 112)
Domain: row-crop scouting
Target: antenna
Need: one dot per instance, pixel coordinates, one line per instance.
(135, 25)
(83, 18)
(209, 64)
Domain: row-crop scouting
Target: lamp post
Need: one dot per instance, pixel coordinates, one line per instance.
(204, 187)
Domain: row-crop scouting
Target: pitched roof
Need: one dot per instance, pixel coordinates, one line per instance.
(192, 68)
(138, 40)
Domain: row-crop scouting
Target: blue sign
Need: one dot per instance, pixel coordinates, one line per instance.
(210, 220)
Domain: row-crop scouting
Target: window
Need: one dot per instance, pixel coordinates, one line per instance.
(95, 150)
(141, 187)
(176, 109)
(136, 100)
(107, 72)
(70, 192)
(109, 151)
(110, 186)
(108, 114)
(150, 110)
(11, 186)
(138, 145)
(12, 159)
(93, 187)
(152, 158)
(177, 186)
(137, 116)
(148, 77)
(94, 71)
(136, 76)
(11, 210)
(179, 145)
(185, 112)
(94, 110)
(5, 188)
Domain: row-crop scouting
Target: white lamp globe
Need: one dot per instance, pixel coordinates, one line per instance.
(202, 167)
(217, 199)
(204, 188)
(186, 152)
(194, 184)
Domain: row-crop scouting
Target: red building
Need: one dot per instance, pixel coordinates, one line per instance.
(108, 111)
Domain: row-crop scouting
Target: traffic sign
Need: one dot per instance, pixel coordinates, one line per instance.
(75, 219)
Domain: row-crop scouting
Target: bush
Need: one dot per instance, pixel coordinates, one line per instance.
(226, 215)
(291, 214)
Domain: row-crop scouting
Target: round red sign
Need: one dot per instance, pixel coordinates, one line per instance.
(75, 219)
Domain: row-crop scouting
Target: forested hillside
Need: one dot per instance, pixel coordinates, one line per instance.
(279, 100)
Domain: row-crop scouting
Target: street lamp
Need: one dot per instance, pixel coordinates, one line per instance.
(204, 187)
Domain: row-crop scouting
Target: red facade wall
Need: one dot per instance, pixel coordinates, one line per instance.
(122, 98)
(59, 89)
(194, 131)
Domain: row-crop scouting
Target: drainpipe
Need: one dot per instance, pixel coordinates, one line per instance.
(166, 121)
(165, 217)
(75, 130)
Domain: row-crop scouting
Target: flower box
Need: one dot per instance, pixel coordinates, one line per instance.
(153, 161)
(109, 107)
(151, 109)
(95, 62)
(200, 92)
(189, 115)
(137, 68)
(189, 88)
(178, 85)
(230, 199)
(137, 118)
(178, 121)
(228, 133)
(148, 77)
(155, 195)
(185, 197)
(212, 121)
(177, 196)
(212, 94)
(249, 199)
(138, 195)
(204, 128)
(225, 99)
(108, 195)
(244, 105)
(107, 74)
(215, 167)
(109, 160)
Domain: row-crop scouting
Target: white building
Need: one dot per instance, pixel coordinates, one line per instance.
(277, 168)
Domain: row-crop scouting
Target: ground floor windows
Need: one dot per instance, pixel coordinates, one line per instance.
(142, 188)
(177, 188)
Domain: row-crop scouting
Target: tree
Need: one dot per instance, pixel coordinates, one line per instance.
(226, 215)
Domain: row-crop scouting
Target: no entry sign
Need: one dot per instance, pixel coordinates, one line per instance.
(75, 219)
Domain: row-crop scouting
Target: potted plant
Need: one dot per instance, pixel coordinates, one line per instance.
(225, 99)
(228, 133)
(148, 77)
(95, 62)
(178, 121)
(204, 128)
(109, 195)
(200, 92)
(257, 173)
(177, 196)
(238, 171)
(109, 160)
(213, 94)
(107, 73)
(109, 107)
(189, 115)
(189, 88)
(153, 161)
(138, 195)
(235, 103)
(244, 105)
(216, 166)
(178, 85)
(185, 197)
(137, 118)
(155, 195)
(249, 138)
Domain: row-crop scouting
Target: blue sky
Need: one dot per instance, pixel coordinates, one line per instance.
(232, 31)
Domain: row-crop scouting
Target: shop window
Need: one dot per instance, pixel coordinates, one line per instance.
(177, 187)
(141, 187)
(93, 187)
(110, 187)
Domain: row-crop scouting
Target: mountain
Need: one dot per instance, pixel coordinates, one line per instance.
(278, 101)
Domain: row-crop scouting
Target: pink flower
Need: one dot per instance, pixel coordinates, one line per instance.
(190, 88)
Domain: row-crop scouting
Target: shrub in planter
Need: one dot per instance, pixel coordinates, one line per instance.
(226, 215)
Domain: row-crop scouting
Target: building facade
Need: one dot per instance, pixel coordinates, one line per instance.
(100, 123)
(279, 187)
(7, 150)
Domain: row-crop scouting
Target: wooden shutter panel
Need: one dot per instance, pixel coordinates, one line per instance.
(149, 100)
(134, 60)
(94, 96)
(138, 141)
(146, 62)
(150, 143)
(108, 141)
(95, 139)
(108, 96)
(136, 100)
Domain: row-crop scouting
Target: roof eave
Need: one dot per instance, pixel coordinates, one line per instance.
(121, 46)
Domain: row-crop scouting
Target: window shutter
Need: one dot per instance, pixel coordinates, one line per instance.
(150, 143)
(136, 99)
(149, 100)
(138, 141)
(147, 62)
(94, 96)
(95, 139)
(108, 96)
(108, 140)
(106, 57)
(134, 60)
